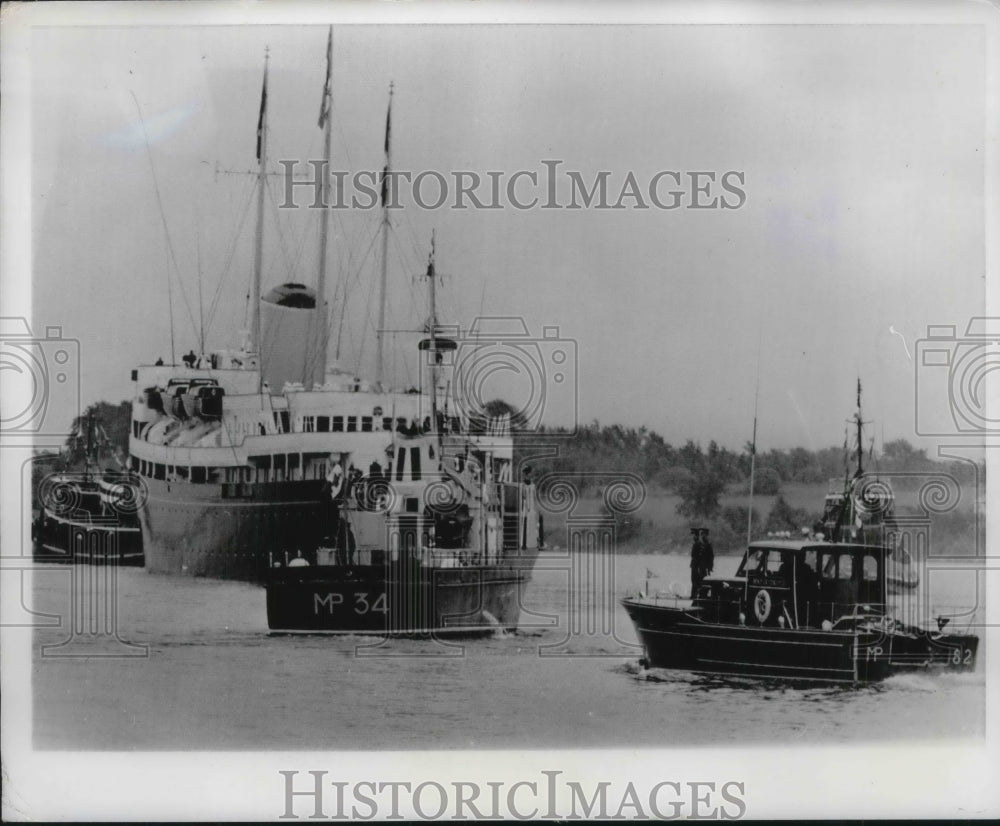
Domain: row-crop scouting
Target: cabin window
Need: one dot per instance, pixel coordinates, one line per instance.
(774, 562)
(869, 569)
(400, 464)
(182, 473)
(366, 424)
(322, 424)
(753, 561)
(845, 566)
(159, 471)
(387, 422)
(415, 463)
(338, 424)
(199, 475)
(284, 425)
(352, 424)
(308, 424)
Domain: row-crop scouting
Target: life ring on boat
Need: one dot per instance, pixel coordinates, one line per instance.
(762, 606)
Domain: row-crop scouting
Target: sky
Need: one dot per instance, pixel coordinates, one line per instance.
(861, 150)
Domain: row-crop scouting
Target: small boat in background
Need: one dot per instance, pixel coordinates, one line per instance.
(89, 515)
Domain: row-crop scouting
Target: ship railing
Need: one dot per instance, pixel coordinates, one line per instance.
(841, 615)
(658, 597)
(947, 617)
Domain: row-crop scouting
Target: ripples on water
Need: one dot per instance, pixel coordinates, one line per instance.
(570, 677)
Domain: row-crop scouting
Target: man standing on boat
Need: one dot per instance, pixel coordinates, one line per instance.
(702, 558)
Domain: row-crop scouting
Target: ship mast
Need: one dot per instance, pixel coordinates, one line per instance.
(858, 424)
(258, 257)
(383, 296)
(317, 363)
(434, 363)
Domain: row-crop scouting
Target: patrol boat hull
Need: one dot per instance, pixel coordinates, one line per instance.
(680, 639)
(393, 598)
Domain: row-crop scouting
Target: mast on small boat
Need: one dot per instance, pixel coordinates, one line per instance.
(383, 296)
(258, 258)
(858, 423)
(753, 446)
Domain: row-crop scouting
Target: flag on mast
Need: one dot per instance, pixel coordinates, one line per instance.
(263, 110)
(324, 106)
(388, 132)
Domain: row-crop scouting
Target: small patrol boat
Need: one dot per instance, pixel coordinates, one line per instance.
(797, 610)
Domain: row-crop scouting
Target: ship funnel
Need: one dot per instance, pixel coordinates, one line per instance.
(287, 314)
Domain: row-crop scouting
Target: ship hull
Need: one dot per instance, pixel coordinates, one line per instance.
(676, 638)
(228, 531)
(399, 599)
(90, 540)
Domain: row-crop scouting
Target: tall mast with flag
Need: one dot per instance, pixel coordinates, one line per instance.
(315, 367)
(258, 257)
(383, 295)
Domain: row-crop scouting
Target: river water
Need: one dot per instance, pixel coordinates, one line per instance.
(195, 668)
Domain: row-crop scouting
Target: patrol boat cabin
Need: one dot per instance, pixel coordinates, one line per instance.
(799, 610)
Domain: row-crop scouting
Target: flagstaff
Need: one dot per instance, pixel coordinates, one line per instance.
(258, 257)
(383, 295)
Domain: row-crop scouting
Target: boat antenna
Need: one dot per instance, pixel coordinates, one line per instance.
(380, 332)
(318, 341)
(201, 302)
(166, 235)
(258, 257)
(753, 443)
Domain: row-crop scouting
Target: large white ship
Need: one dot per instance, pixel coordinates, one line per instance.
(249, 454)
